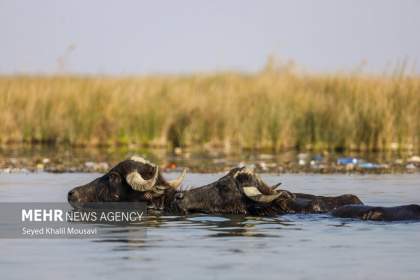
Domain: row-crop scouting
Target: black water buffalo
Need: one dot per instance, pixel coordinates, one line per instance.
(396, 213)
(240, 191)
(243, 192)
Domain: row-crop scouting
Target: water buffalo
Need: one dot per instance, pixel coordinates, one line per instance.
(240, 191)
(243, 192)
(396, 213)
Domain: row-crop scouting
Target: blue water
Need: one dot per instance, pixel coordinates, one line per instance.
(215, 247)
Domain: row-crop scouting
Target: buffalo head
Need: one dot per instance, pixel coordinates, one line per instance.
(131, 180)
(240, 191)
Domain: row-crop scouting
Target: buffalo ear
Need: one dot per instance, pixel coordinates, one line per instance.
(114, 179)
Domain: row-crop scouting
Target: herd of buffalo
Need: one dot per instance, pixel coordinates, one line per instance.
(240, 192)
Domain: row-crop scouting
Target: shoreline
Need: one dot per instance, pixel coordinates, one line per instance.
(347, 165)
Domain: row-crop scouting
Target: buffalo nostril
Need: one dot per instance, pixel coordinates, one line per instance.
(70, 194)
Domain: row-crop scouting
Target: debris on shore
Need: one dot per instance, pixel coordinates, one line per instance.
(301, 163)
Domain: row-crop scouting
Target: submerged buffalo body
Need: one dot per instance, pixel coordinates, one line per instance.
(240, 191)
(397, 213)
(243, 192)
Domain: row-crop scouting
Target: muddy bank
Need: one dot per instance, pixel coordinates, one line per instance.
(63, 159)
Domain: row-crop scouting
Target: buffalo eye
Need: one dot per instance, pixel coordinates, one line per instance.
(179, 195)
(114, 179)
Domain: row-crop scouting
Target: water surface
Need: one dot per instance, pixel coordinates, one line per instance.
(215, 247)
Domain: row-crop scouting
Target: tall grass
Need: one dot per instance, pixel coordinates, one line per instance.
(275, 108)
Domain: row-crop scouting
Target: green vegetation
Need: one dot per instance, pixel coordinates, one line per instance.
(273, 109)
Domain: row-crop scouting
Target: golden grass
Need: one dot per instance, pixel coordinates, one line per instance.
(275, 108)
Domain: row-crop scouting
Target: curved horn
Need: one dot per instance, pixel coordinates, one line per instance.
(276, 187)
(177, 182)
(136, 181)
(254, 194)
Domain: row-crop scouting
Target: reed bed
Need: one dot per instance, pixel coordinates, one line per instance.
(276, 108)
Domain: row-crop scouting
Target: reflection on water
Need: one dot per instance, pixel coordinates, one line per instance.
(233, 247)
